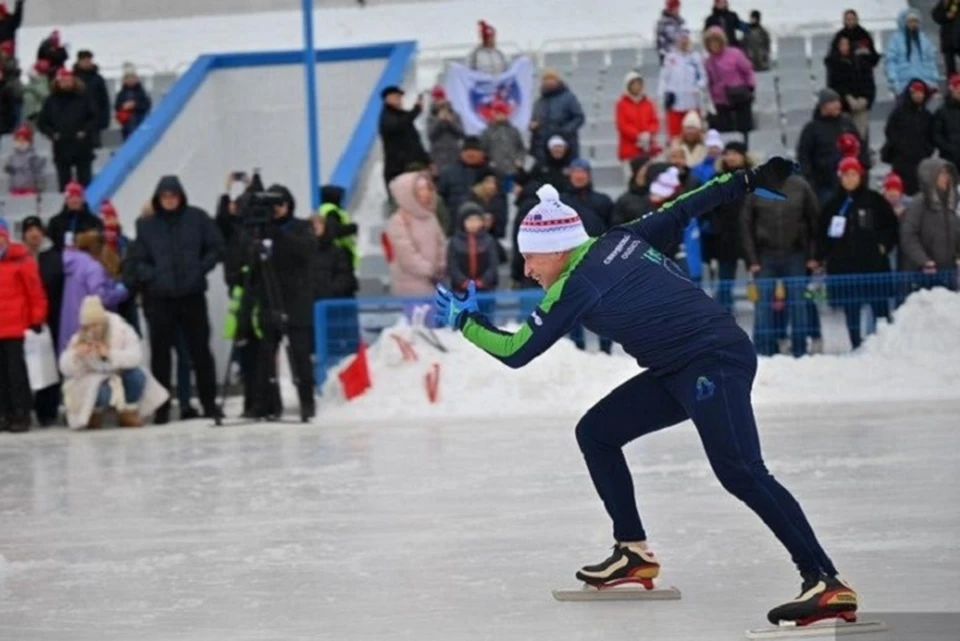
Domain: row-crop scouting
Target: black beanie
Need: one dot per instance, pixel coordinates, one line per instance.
(472, 142)
(736, 146)
(29, 222)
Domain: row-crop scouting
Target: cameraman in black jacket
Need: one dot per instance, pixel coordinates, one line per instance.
(281, 291)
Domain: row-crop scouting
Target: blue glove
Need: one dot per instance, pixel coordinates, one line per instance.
(767, 179)
(450, 307)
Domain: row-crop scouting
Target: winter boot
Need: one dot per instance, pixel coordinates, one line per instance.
(821, 597)
(213, 411)
(96, 420)
(20, 423)
(189, 413)
(627, 564)
(130, 417)
(162, 417)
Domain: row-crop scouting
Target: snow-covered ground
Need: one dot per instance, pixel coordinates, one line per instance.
(169, 44)
(915, 358)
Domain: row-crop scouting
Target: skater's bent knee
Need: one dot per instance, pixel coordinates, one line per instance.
(593, 434)
(742, 478)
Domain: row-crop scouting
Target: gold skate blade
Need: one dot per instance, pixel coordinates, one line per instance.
(822, 630)
(620, 593)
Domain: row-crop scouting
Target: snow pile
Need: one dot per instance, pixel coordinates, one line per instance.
(165, 44)
(913, 359)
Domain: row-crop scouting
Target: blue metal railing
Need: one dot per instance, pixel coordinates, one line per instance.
(787, 313)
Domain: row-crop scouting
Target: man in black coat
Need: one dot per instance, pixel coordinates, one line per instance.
(74, 218)
(817, 150)
(282, 288)
(175, 249)
(595, 209)
(946, 124)
(402, 148)
(86, 71)
(46, 402)
(69, 119)
(455, 184)
(635, 202)
(909, 134)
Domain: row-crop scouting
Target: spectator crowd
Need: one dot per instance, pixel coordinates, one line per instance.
(453, 197)
(80, 283)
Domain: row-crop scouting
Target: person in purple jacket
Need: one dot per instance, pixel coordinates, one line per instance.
(89, 270)
(731, 81)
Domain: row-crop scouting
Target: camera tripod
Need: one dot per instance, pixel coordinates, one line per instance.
(275, 327)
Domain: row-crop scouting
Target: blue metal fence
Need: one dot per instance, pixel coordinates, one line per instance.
(786, 315)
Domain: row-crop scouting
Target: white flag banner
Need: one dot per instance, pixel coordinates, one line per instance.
(473, 94)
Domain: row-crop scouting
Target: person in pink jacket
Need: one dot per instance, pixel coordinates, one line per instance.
(731, 81)
(415, 244)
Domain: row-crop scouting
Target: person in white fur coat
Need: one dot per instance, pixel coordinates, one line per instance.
(103, 367)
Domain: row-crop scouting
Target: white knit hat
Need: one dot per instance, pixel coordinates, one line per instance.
(692, 120)
(92, 311)
(550, 226)
(714, 139)
(557, 141)
(667, 183)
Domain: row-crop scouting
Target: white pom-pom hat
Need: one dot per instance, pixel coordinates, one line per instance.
(550, 226)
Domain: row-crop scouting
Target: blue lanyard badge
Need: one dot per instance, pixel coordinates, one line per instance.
(838, 224)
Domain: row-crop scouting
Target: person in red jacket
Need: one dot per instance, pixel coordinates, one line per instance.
(24, 307)
(637, 122)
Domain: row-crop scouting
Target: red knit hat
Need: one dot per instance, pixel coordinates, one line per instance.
(893, 182)
(848, 144)
(673, 5)
(487, 32)
(7, 47)
(918, 85)
(438, 93)
(63, 72)
(73, 190)
(4, 12)
(850, 163)
(23, 132)
(954, 80)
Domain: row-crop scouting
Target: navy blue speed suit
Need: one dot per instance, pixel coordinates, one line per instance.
(699, 365)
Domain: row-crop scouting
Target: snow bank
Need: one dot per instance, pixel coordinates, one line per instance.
(165, 44)
(916, 358)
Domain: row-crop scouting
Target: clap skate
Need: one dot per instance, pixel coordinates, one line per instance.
(628, 573)
(826, 607)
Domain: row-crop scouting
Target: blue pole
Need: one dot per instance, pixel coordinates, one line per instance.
(313, 133)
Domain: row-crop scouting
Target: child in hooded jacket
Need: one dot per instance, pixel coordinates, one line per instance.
(472, 253)
(24, 166)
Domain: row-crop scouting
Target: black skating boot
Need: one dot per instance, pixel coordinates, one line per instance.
(821, 597)
(627, 564)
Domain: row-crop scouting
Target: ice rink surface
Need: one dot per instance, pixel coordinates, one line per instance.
(452, 531)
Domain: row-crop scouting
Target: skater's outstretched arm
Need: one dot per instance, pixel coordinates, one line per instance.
(665, 226)
(564, 304)
(561, 309)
